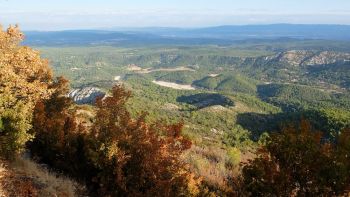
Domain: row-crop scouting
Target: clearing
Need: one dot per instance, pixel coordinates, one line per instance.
(173, 85)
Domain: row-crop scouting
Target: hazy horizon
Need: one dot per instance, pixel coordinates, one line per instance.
(92, 14)
(136, 28)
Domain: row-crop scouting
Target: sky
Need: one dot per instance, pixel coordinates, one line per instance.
(109, 14)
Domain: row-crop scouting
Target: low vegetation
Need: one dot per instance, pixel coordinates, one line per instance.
(24, 177)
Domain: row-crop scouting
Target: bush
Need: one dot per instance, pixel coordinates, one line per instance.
(234, 155)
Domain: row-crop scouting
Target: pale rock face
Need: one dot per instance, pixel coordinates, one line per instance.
(87, 95)
(310, 58)
(294, 57)
(327, 57)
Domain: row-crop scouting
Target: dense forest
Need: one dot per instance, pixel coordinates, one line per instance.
(235, 121)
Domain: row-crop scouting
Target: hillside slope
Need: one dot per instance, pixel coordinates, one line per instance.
(25, 178)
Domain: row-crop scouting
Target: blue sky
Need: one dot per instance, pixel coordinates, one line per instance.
(88, 14)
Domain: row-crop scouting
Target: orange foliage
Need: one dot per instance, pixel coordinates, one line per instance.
(118, 155)
(24, 79)
(299, 162)
(141, 161)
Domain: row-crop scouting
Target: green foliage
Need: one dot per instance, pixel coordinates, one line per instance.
(328, 120)
(238, 138)
(296, 97)
(180, 77)
(337, 73)
(24, 79)
(85, 65)
(14, 133)
(228, 83)
(255, 104)
(203, 100)
(288, 91)
(234, 155)
(263, 139)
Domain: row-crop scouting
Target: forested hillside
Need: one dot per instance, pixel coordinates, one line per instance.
(248, 118)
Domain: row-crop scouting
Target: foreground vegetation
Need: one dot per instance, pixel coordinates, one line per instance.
(235, 134)
(298, 162)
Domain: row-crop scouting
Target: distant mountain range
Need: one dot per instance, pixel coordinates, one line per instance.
(221, 35)
(332, 32)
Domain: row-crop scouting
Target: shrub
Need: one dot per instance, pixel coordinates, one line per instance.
(234, 155)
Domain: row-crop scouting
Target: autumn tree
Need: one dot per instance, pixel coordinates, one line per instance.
(136, 158)
(117, 155)
(24, 79)
(299, 161)
(54, 126)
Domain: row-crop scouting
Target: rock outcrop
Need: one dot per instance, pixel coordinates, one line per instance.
(310, 58)
(327, 57)
(87, 95)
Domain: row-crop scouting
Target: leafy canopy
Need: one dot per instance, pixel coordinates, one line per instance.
(24, 79)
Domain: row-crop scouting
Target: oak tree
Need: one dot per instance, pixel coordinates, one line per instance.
(24, 79)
